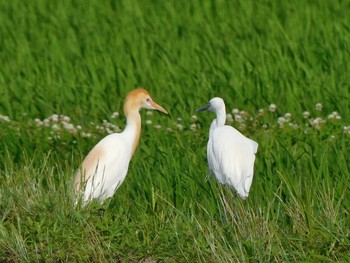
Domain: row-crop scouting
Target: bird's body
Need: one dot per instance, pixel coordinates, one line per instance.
(105, 167)
(230, 154)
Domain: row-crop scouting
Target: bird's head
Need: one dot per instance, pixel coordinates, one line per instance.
(140, 98)
(214, 105)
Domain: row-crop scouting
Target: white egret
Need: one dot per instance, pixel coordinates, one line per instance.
(230, 154)
(105, 167)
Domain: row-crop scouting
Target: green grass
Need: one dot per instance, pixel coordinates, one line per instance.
(80, 59)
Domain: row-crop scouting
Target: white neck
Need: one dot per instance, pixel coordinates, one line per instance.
(219, 121)
(133, 128)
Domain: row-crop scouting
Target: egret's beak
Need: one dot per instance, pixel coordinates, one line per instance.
(157, 107)
(203, 108)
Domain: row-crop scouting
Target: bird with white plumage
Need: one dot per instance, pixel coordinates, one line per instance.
(105, 167)
(230, 154)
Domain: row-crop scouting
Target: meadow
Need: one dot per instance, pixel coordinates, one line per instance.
(282, 68)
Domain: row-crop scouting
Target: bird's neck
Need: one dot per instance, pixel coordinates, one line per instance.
(220, 117)
(219, 121)
(133, 128)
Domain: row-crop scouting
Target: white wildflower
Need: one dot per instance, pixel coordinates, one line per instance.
(115, 115)
(148, 122)
(347, 129)
(85, 134)
(46, 122)
(238, 118)
(288, 116)
(235, 111)
(193, 127)
(281, 121)
(306, 114)
(55, 127)
(317, 122)
(65, 118)
(272, 107)
(261, 112)
(4, 118)
(53, 118)
(229, 118)
(179, 127)
(319, 107)
(294, 126)
(38, 122)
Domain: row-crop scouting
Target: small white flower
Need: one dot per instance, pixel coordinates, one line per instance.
(294, 126)
(68, 126)
(194, 118)
(148, 122)
(288, 116)
(85, 135)
(193, 127)
(281, 121)
(169, 129)
(229, 118)
(179, 119)
(238, 118)
(272, 107)
(149, 112)
(244, 114)
(319, 107)
(4, 118)
(46, 122)
(264, 126)
(53, 118)
(115, 115)
(65, 118)
(235, 111)
(55, 127)
(317, 122)
(331, 117)
(306, 114)
(38, 122)
(179, 127)
(157, 126)
(261, 112)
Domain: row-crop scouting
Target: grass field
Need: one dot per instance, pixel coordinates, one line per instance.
(66, 68)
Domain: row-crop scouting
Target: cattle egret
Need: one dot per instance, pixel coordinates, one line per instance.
(105, 167)
(230, 154)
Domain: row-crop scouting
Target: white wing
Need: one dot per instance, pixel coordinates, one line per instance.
(104, 168)
(231, 158)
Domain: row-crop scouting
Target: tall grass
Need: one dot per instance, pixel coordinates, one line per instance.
(80, 58)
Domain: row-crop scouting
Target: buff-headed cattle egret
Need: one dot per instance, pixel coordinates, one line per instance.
(230, 154)
(105, 167)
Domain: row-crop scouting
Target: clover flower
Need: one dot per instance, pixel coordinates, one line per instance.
(272, 107)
